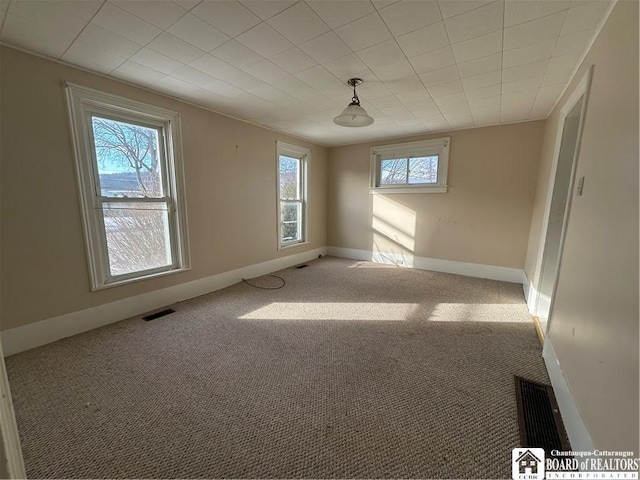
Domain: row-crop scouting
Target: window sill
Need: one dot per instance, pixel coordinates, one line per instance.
(126, 281)
(421, 189)
(291, 245)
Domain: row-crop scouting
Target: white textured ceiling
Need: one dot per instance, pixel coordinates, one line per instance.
(427, 65)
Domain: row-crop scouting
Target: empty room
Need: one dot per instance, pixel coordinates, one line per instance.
(319, 239)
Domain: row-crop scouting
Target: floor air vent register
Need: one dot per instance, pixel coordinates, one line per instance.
(159, 314)
(539, 417)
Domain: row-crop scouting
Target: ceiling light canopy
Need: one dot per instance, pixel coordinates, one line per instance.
(354, 115)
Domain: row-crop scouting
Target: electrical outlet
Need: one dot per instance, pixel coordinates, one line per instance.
(580, 186)
(400, 261)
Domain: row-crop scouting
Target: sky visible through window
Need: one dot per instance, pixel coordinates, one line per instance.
(411, 171)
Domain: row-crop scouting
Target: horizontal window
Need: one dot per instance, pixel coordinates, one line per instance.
(415, 167)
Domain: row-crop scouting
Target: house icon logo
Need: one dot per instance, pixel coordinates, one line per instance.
(527, 464)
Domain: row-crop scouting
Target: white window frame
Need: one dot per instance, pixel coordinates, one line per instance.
(304, 155)
(424, 148)
(84, 102)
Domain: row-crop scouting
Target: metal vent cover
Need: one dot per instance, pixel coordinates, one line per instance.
(159, 314)
(539, 417)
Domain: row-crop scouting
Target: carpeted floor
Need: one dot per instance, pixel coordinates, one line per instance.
(352, 370)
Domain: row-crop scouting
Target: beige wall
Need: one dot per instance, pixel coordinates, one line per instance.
(484, 218)
(594, 322)
(230, 187)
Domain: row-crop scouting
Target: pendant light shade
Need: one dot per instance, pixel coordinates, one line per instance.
(354, 115)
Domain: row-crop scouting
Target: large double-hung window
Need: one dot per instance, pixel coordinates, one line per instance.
(292, 194)
(128, 159)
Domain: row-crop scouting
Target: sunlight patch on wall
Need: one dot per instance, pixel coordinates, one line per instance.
(394, 230)
(397, 312)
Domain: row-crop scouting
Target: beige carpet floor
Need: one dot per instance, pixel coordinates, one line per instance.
(352, 370)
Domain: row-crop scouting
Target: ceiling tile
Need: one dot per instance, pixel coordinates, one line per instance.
(525, 11)
(586, 16)
(535, 31)
(529, 70)
(478, 47)
(223, 88)
(484, 80)
(364, 32)
(528, 54)
(379, 4)
(480, 66)
(118, 21)
(156, 61)
(187, 4)
(48, 17)
(234, 53)
(475, 23)
(267, 71)
(431, 61)
(444, 89)
(483, 92)
(382, 54)
(198, 32)
(20, 32)
(136, 73)
(175, 48)
(404, 85)
(266, 9)
(573, 42)
(294, 60)
(450, 8)
(414, 96)
(106, 40)
(91, 57)
(558, 77)
(487, 103)
(338, 12)
(193, 76)
(451, 100)
(264, 40)
(408, 15)
(298, 23)
(424, 40)
(84, 9)
(563, 62)
(323, 81)
(346, 67)
(394, 71)
(521, 85)
(228, 16)
(443, 75)
(160, 13)
(326, 47)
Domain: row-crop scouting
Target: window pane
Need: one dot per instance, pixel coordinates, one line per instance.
(137, 236)
(423, 169)
(289, 174)
(128, 159)
(393, 171)
(291, 218)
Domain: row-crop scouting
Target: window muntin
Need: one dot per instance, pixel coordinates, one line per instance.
(292, 205)
(415, 167)
(128, 159)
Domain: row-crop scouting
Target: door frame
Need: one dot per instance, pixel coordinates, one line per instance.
(12, 453)
(580, 91)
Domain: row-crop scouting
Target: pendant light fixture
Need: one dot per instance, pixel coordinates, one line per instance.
(354, 115)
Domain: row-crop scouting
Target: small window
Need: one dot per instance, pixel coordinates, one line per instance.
(292, 202)
(415, 167)
(131, 186)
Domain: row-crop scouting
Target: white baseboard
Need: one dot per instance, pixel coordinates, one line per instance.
(12, 465)
(573, 423)
(526, 287)
(19, 339)
(478, 270)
